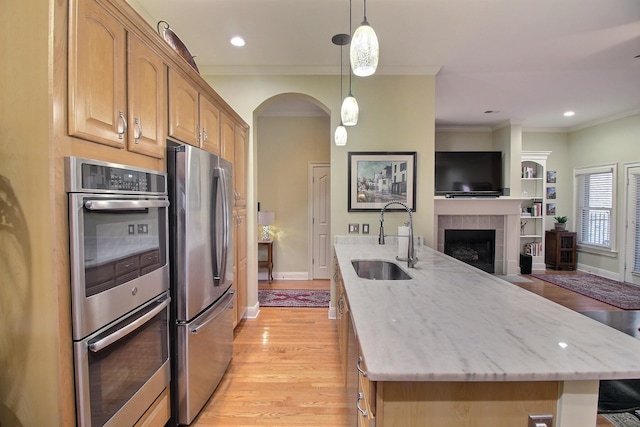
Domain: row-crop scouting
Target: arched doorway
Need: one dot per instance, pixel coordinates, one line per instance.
(292, 134)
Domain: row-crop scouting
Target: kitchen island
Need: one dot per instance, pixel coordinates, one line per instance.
(455, 346)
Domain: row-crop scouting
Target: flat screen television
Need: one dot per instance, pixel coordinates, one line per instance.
(468, 172)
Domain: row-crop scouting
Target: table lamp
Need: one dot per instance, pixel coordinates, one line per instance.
(266, 219)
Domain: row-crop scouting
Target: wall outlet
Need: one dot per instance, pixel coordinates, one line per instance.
(143, 228)
(540, 421)
(132, 229)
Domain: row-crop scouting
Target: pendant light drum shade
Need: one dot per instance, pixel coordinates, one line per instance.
(365, 51)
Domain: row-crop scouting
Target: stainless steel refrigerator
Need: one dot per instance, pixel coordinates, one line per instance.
(201, 260)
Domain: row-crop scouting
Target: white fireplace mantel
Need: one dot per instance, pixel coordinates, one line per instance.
(473, 211)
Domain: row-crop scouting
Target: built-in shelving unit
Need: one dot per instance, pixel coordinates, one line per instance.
(533, 209)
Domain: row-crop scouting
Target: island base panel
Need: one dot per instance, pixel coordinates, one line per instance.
(469, 404)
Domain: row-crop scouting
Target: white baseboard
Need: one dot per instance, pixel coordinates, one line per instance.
(332, 313)
(252, 312)
(599, 272)
(287, 275)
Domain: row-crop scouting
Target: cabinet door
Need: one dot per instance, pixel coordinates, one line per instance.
(210, 126)
(240, 245)
(147, 95)
(240, 167)
(227, 138)
(183, 110)
(97, 74)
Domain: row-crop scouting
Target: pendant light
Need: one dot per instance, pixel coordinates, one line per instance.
(365, 50)
(349, 111)
(340, 136)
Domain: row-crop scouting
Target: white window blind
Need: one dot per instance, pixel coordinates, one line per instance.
(595, 194)
(634, 220)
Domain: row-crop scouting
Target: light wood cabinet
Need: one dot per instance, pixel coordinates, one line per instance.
(342, 315)
(210, 126)
(184, 110)
(147, 100)
(240, 167)
(227, 138)
(158, 413)
(240, 263)
(117, 84)
(97, 75)
(193, 118)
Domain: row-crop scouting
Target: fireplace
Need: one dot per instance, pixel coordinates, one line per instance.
(501, 215)
(474, 247)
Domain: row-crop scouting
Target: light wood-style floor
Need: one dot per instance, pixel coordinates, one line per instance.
(286, 369)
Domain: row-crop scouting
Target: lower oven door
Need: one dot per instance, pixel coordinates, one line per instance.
(205, 347)
(122, 368)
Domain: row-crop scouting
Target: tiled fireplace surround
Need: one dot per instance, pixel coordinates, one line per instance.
(500, 214)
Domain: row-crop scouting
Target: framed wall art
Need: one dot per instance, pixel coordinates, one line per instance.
(376, 178)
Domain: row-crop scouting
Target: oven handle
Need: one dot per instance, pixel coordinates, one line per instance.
(116, 205)
(121, 333)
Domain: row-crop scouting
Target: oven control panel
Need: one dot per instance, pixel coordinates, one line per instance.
(94, 176)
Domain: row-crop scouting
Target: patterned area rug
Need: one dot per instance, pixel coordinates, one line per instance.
(623, 420)
(619, 294)
(293, 298)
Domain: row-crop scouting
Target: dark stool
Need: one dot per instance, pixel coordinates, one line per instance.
(618, 396)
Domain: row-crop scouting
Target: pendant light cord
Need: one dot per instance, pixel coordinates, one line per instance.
(351, 36)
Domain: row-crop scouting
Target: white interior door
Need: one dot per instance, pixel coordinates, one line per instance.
(320, 220)
(632, 232)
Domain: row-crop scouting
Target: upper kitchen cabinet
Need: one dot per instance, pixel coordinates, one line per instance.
(240, 167)
(147, 96)
(184, 110)
(193, 118)
(117, 83)
(227, 139)
(210, 126)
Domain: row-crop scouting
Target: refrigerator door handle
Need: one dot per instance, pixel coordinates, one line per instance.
(221, 307)
(220, 253)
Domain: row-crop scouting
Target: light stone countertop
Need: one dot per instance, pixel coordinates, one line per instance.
(453, 322)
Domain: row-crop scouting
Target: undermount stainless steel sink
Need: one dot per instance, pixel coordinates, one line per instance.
(379, 270)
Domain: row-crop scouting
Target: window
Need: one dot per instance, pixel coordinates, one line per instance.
(595, 201)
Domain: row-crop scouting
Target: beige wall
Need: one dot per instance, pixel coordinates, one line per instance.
(396, 114)
(285, 146)
(613, 142)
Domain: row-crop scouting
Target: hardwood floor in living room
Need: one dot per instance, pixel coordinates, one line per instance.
(286, 368)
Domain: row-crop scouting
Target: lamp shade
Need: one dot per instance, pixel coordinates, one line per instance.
(266, 217)
(365, 51)
(349, 111)
(341, 135)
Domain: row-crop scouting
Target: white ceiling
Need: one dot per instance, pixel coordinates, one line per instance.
(528, 60)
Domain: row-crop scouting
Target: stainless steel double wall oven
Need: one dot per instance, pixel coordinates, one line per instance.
(118, 223)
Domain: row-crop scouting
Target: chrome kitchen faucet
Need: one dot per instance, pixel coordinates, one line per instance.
(411, 254)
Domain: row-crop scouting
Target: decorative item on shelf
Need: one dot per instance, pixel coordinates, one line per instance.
(266, 220)
(176, 44)
(561, 223)
(340, 136)
(365, 50)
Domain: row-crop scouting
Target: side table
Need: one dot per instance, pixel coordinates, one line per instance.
(268, 262)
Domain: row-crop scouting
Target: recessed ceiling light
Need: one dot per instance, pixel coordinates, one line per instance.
(237, 41)
(569, 113)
